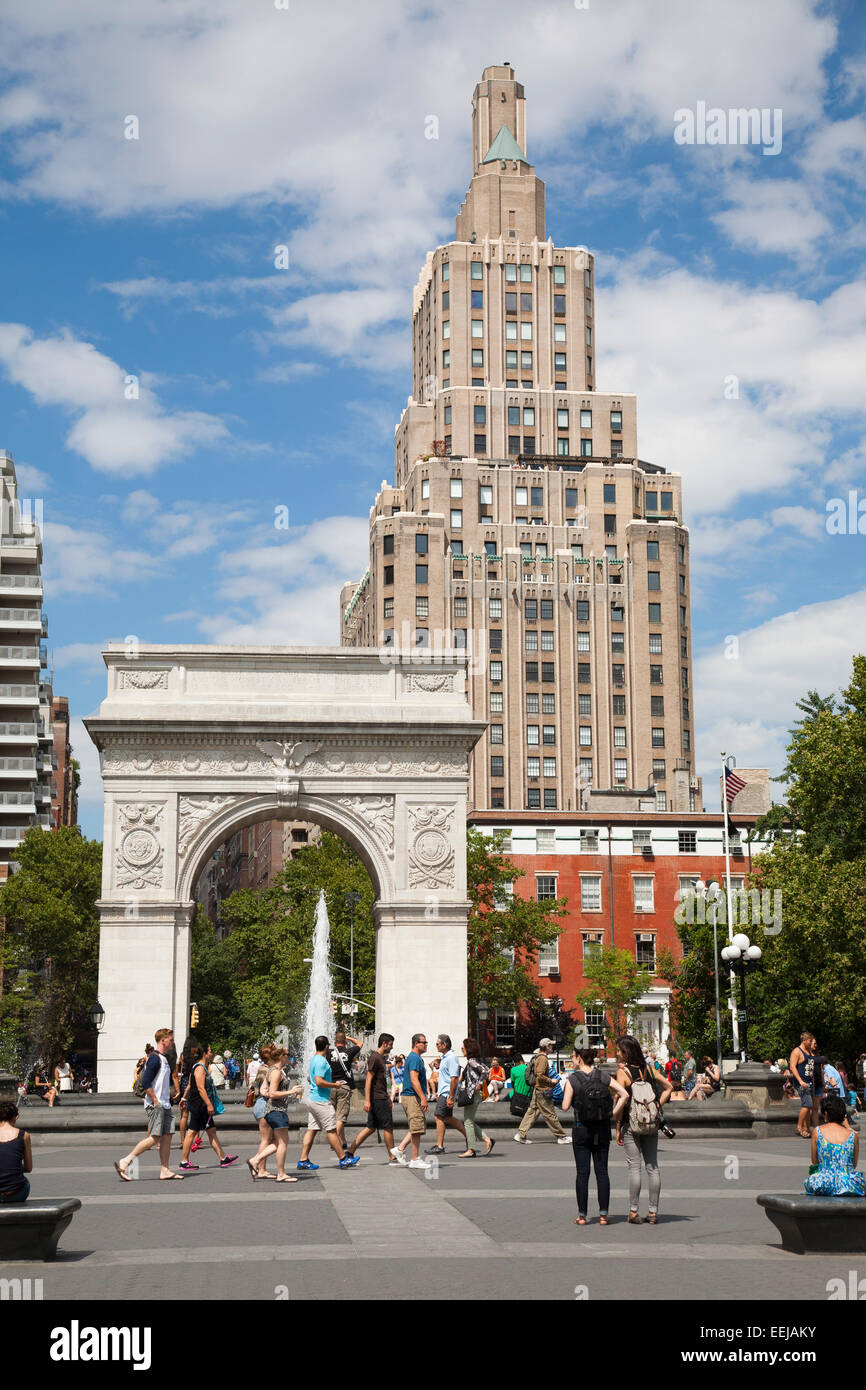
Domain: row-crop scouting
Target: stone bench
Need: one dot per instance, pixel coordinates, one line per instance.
(817, 1225)
(31, 1230)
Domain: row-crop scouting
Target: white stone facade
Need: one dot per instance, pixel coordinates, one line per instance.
(197, 741)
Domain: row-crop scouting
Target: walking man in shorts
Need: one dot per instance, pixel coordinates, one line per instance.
(322, 1117)
(414, 1098)
(156, 1083)
(449, 1075)
(377, 1103)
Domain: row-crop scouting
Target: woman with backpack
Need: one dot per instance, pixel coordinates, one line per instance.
(470, 1094)
(202, 1103)
(637, 1125)
(589, 1088)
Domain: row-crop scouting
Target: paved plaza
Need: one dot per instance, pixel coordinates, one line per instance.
(490, 1227)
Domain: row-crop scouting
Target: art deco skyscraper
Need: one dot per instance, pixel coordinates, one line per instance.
(522, 524)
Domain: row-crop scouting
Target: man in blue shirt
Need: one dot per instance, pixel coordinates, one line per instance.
(414, 1099)
(322, 1115)
(449, 1076)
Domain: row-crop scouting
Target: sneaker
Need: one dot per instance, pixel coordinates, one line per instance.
(400, 1158)
(305, 1163)
(348, 1161)
(188, 1167)
(564, 1140)
(519, 1139)
(436, 1149)
(228, 1160)
(418, 1163)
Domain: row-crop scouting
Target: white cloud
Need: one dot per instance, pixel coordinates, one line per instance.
(81, 560)
(31, 481)
(288, 591)
(90, 798)
(747, 705)
(683, 340)
(82, 656)
(772, 215)
(114, 434)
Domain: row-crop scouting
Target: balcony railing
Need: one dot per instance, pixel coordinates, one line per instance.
(23, 765)
(21, 615)
(20, 653)
(19, 692)
(20, 581)
(16, 799)
(17, 731)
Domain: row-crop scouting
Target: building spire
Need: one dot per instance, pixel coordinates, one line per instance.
(497, 101)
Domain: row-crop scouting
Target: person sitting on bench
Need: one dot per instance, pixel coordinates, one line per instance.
(835, 1149)
(16, 1157)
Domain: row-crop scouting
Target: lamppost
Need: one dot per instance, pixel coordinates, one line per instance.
(482, 1013)
(711, 895)
(97, 1016)
(742, 957)
(352, 900)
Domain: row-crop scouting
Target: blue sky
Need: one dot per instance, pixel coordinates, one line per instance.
(260, 387)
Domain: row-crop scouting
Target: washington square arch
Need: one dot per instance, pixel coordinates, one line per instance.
(197, 741)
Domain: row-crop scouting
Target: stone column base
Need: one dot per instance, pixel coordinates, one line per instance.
(756, 1085)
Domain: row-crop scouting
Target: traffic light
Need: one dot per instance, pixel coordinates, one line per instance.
(193, 1015)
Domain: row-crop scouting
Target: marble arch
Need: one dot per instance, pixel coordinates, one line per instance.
(197, 741)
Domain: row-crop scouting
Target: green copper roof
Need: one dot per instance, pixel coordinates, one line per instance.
(504, 147)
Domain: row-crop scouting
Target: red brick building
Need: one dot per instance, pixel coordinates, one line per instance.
(623, 873)
(64, 781)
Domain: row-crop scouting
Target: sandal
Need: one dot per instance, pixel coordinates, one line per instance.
(580, 1221)
(491, 1148)
(603, 1221)
(652, 1219)
(634, 1219)
(469, 1153)
(121, 1172)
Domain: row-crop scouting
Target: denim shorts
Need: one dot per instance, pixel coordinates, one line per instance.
(260, 1109)
(277, 1119)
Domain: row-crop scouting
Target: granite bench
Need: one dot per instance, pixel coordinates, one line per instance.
(817, 1225)
(31, 1230)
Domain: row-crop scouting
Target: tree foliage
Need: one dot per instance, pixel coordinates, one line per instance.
(49, 949)
(504, 930)
(813, 973)
(614, 980)
(254, 981)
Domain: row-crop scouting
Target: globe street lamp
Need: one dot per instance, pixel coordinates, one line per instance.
(742, 957)
(482, 1013)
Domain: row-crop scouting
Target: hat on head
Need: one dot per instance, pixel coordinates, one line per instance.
(547, 1042)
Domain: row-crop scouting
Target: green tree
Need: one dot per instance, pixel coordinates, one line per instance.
(504, 930)
(615, 981)
(49, 950)
(255, 980)
(813, 972)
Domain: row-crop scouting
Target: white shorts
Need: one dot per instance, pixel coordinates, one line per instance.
(322, 1116)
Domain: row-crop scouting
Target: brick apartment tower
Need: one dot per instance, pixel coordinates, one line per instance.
(64, 787)
(522, 524)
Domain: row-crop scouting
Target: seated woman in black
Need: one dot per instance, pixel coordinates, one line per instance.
(16, 1158)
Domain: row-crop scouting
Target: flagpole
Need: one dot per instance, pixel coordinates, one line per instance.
(734, 1020)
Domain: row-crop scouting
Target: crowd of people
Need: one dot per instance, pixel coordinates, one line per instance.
(628, 1097)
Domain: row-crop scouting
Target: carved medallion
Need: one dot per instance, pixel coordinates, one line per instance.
(431, 856)
(139, 855)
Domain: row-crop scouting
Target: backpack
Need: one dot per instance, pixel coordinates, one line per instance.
(137, 1087)
(593, 1101)
(643, 1111)
(529, 1072)
(676, 1073)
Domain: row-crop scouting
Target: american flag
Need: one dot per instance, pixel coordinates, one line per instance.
(733, 784)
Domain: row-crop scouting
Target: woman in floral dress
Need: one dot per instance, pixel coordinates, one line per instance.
(835, 1150)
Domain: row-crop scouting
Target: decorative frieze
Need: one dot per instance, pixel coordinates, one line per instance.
(266, 758)
(132, 678)
(378, 814)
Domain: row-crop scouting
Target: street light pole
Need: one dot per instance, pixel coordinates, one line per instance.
(352, 900)
(710, 894)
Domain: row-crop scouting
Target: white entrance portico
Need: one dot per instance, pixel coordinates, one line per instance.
(197, 741)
